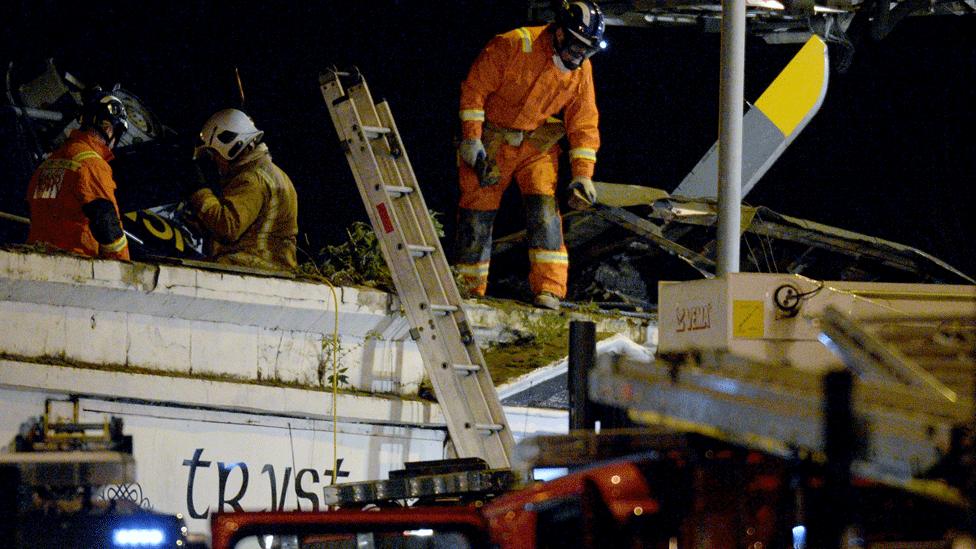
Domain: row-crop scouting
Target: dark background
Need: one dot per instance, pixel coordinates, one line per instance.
(892, 152)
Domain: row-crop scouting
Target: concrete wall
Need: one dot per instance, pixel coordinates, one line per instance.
(62, 309)
(134, 316)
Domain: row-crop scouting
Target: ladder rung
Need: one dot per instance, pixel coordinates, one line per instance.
(417, 250)
(443, 309)
(373, 132)
(493, 427)
(398, 190)
(466, 368)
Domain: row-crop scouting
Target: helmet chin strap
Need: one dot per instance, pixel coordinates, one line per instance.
(109, 141)
(561, 65)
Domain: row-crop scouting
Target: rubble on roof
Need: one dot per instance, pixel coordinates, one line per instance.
(638, 236)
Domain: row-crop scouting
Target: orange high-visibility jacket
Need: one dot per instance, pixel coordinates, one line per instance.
(514, 83)
(74, 175)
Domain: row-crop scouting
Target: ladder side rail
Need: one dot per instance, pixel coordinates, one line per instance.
(414, 215)
(391, 242)
(360, 96)
(408, 218)
(464, 419)
(416, 204)
(411, 221)
(393, 247)
(332, 91)
(455, 323)
(443, 288)
(446, 285)
(357, 150)
(460, 347)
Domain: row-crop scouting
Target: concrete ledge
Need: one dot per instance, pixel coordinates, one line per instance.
(216, 395)
(185, 293)
(225, 396)
(70, 310)
(503, 323)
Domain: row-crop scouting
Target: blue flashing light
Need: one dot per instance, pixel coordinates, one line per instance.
(138, 537)
(799, 537)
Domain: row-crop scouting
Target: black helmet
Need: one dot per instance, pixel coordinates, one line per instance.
(101, 106)
(583, 20)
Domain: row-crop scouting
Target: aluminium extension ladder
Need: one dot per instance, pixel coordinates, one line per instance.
(424, 282)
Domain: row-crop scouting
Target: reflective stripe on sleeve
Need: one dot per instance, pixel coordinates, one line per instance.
(60, 164)
(116, 246)
(471, 115)
(583, 153)
(261, 240)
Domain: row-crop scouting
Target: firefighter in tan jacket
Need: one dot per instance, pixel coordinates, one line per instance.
(517, 86)
(253, 221)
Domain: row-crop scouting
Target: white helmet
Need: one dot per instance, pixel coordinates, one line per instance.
(228, 133)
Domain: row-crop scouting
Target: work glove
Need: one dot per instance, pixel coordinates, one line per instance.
(472, 150)
(582, 193)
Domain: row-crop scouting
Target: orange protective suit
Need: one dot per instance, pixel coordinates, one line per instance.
(512, 90)
(73, 176)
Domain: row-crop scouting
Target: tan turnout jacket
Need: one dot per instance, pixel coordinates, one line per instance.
(254, 223)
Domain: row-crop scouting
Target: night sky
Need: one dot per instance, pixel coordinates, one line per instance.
(892, 152)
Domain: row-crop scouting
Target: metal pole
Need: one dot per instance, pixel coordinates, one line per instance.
(582, 357)
(730, 134)
(38, 114)
(16, 218)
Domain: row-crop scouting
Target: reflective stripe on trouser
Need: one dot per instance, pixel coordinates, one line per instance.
(473, 248)
(548, 260)
(535, 172)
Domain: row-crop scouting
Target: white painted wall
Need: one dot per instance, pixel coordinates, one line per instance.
(267, 430)
(165, 318)
(169, 442)
(176, 319)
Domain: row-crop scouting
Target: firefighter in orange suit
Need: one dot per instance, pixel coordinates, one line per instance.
(253, 219)
(518, 85)
(72, 193)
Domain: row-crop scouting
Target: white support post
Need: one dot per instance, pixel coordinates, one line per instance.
(731, 98)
